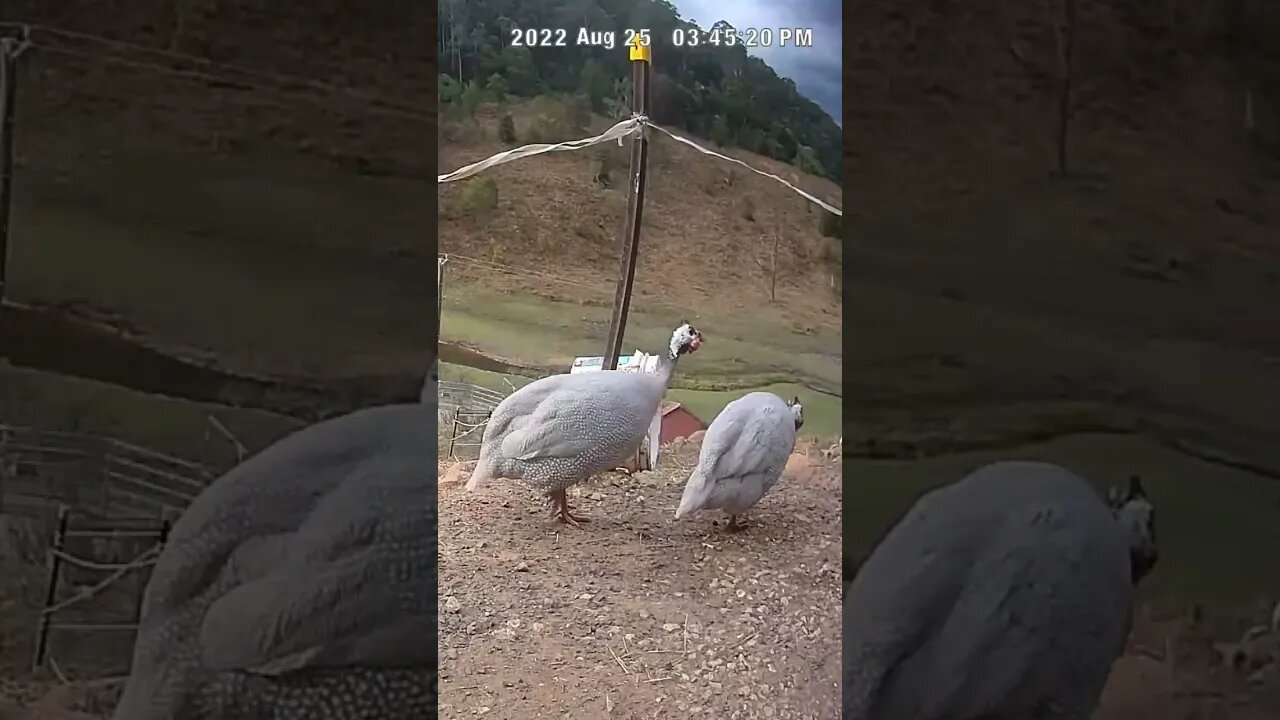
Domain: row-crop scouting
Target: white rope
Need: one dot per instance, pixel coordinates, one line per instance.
(147, 557)
(615, 133)
(701, 149)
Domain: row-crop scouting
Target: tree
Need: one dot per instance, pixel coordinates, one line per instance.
(806, 160)
(507, 129)
(448, 90)
(472, 96)
(518, 69)
(594, 84)
(770, 262)
(1063, 80)
(720, 133)
(496, 87)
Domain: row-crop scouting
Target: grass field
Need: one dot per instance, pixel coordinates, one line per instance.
(763, 352)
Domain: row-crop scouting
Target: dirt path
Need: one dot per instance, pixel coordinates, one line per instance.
(636, 615)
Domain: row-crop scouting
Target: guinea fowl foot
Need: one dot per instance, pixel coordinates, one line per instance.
(734, 525)
(560, 509)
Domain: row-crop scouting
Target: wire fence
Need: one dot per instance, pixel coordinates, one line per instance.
(95, 578)
(464, 412)
(267, 223)
(100, 477)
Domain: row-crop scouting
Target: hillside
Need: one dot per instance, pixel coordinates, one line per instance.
(1174, 133)
(708, 225)
(366, 96)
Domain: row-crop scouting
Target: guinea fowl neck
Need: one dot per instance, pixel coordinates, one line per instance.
(666, 366)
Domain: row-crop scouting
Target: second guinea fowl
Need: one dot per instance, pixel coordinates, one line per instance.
(560, 430)
(743, 454)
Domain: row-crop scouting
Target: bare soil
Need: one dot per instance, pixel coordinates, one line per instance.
(1174, 670)
(636, 615)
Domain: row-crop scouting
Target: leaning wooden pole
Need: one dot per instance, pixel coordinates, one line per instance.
(641, 58)
(9, 50)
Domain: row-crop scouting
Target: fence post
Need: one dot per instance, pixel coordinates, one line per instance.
(9, 51)
(54, 564)
(441, 261)
(4, 465)
(641, 56)
(453, 434)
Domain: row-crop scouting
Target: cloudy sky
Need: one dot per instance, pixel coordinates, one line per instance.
(815, 70)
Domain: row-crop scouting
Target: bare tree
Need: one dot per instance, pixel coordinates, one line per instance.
(770, 262)
(1065, 37)
(1065, 32)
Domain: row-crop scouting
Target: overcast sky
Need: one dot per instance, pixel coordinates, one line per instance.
(815, 70)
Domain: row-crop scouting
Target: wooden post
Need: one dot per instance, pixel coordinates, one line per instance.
(453, 434)
(641, 56)
(8, 99)
(440, 263)
(4, 465)
(54, 564)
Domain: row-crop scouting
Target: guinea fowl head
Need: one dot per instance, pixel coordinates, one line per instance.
(685, 339)
(1137, 516)
(797, 409)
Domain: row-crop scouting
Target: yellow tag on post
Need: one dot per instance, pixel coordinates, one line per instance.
(639, 51)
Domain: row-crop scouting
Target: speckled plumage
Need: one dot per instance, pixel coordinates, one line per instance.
(300, 585)
(743, 454)
(1005, 596)
(560, 430)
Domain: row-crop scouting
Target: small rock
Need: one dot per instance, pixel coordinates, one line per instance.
(670, 627)
(522, 566)
(452, 605)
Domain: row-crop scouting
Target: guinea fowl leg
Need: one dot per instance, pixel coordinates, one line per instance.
(734, 525)
(560, 508)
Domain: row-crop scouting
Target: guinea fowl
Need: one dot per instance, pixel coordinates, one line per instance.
(560, 430)
(300, 584)
(1005, 596)
(743, 454)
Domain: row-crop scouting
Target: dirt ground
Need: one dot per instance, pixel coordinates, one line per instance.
(1173, 671)
(636, 615)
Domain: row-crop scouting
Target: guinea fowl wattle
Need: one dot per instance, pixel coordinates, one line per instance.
(560, 430)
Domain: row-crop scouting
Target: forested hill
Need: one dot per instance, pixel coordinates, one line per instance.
(717, 92)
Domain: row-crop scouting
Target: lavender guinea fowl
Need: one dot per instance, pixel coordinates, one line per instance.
(743, 454)
(560, 430)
